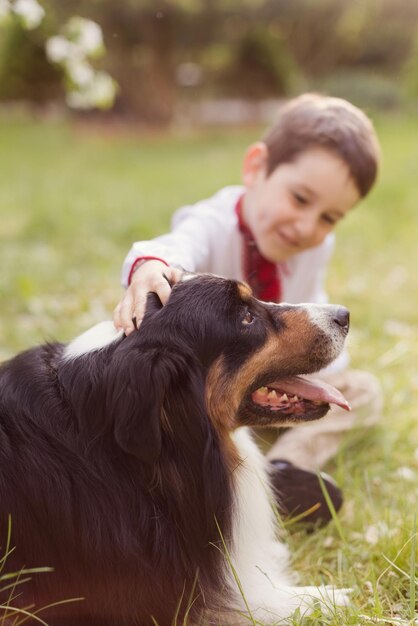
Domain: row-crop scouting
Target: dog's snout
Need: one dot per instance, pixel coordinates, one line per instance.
(341, 316)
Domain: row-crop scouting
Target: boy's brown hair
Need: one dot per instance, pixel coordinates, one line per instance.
(315, 121)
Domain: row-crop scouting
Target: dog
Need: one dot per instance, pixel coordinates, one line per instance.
(127, 464)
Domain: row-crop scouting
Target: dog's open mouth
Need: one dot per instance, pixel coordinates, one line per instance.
(296, 395)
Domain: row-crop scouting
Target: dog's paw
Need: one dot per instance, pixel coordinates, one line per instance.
(327, 596)
(338, 597)
(267, 605)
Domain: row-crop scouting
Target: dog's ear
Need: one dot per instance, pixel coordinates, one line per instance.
(137, 385)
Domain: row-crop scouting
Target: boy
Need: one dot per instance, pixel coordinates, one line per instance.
(275, 232)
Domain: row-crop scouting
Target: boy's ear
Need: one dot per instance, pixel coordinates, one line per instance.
(255, 163)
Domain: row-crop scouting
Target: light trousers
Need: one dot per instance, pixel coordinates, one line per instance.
(311, 445)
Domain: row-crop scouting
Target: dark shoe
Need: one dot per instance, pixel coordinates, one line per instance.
(299, 491)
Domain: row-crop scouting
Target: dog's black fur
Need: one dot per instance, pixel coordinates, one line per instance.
(112, 468)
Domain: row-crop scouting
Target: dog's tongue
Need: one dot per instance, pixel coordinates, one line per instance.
(314, 390)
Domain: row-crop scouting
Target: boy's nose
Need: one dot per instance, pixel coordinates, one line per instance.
(306, 226)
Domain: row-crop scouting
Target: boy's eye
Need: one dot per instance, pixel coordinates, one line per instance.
(300, 199)
(329, 219)
(248, 318)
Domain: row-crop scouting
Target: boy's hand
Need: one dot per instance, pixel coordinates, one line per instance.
(148, 277)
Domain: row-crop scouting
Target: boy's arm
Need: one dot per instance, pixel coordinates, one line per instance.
(196, 233)
(151, 266)
(171, 249)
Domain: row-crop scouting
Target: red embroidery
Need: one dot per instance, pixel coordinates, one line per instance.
(260, 274)
(143, 258)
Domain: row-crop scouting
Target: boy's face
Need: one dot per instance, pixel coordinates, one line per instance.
(295, 207)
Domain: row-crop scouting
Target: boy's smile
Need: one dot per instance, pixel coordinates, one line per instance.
(299, 203)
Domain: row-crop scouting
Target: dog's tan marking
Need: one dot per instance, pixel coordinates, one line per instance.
(295, 347)
(244, 291)
(216, 393)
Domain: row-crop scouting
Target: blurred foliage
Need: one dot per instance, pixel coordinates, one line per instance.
(160, 51)
(263, 58)
(410, 74)
(25, 73)
(369, 89)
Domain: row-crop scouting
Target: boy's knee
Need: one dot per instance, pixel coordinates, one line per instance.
(363, 392)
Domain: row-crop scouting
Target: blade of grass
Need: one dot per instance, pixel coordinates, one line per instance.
(299, 518)
(27, 615)
(179, 603)
(7, 549)
(334, 515)
(412, 570)
(191, 599)
(44, 608)
(30, 570)
(331, 508)
(235, 574)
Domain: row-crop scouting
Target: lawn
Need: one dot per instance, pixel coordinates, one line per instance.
(72, 199)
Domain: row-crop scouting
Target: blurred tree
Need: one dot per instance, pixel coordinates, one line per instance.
(25, 68)
(25, 73)
(260, 66)
(410, 72)
(160, 50)
(376, 34)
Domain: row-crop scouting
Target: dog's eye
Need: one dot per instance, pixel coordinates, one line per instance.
(248, 318)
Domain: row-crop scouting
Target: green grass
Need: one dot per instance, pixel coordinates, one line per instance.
(71, 202)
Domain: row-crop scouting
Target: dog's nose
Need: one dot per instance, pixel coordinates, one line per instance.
(341, 317)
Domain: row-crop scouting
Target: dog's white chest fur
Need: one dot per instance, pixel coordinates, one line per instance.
(260, 560)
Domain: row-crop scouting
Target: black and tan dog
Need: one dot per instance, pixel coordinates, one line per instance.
(127, 467)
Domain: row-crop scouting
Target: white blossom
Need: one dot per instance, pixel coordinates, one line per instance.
(80, 72)
(103, 90)
(100, 93)
(79, 40)
(30, 12)
(59, 49)
(86, 35)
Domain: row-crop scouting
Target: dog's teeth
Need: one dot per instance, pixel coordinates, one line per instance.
(317, 402)
(284, 398)
(294, 399)
(272, 395)
(263, 391)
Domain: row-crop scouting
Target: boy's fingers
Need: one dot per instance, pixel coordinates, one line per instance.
(116, 317)
(130, 312)
(173, 274)
(126, 313)
(138, 308)
(134, 313)
(163, 290)
(137, 311)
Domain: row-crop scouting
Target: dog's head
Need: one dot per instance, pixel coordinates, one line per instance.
(257, 352)
(216, 349)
